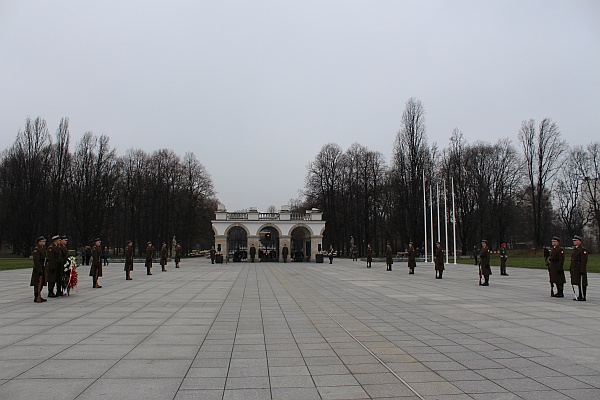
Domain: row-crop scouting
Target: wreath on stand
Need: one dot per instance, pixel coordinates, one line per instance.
(69, 276)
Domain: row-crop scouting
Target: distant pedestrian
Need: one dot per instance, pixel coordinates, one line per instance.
(369, 255)
(330, 254)
(439, 261)
(177, 255)
(96, 269)
(105, 255)
(213, 255)
(475, 254)
(389, 258)
(163, 257)
(412, 258)
(503, 258)
(149, 258)
(484, 264)
(128, 260)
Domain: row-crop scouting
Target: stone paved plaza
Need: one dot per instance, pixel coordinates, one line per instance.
(299, 331)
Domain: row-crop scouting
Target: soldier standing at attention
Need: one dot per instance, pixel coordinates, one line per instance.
(330, 254)
(556, 261)
(578, 268)
(53, 257)
(96, 269)
(369, 255)
(38, 275)
(389, 259)
(128, 260)
(148, 258)
(252, 253)
(484, 263)
(503, 258)
(163, 256)
(285, 252)
(213, 255)
(412, 260)
(439, 261)
(177, 255)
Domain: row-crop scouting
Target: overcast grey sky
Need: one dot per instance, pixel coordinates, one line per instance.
(256, 88)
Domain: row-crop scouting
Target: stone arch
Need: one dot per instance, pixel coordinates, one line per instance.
(310, 231)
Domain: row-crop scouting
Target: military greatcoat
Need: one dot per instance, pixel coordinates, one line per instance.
(40, 269)
(128, 259)
(96, 263)
(556, 261)
(578, 267)
(412, 254)
(439, 259)
(484, 261)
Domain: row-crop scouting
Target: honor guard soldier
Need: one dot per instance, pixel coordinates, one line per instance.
(128, 260)
(148, 258)
(252, 253)
(578, 268)
(369, 255)
(389, 258)
(330, 254)
(177, 255)
(503, 258)
(284, 252)
(556, 261)
(213, 255)
(163, 256)
(484, 264)
(96, 268)
(439, 261)
(64, 257)
(53, 259)
(40, 269)
(412, 258)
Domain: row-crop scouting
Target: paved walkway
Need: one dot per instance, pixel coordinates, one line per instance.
(299, 331)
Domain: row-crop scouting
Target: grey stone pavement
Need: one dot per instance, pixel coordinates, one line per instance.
(299, 331)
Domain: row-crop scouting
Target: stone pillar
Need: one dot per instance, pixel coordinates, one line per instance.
(315, 240)
(221, 240)
(253, 240)
(285, 239)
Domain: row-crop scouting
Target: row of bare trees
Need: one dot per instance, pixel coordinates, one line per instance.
(502, 192)
(47, 189)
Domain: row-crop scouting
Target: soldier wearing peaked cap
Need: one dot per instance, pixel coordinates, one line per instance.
(556, 261)
(439, 261)
(503, 258)
(128, 260)
(38, 275)
(96, 268)
(53, 260)
(578, 268)
(148, 258)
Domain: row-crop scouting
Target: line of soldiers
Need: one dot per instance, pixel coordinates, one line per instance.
(577, 268)
(48, 264)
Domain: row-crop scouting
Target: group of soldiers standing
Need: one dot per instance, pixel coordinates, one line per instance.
(577, 268)
(48, 264)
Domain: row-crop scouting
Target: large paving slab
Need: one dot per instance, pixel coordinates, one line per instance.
(299, 331)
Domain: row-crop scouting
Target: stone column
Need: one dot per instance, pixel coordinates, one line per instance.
(315, 240)
(221, 240)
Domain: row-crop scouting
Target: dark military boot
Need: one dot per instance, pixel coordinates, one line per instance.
(559, 291)
(487, 280)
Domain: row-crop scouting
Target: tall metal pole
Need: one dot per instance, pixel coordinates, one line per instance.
(446, 221)
(431, 220)
(453, 221)
(425, 216)
(437, 189)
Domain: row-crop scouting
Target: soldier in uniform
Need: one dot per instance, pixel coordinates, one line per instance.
(389, 258)
(556, 261)
(412, 258)
(330, 254)
(503, 258)
(484, 263)
(369, 255)
(163, 256)
(284, 252)
(578, 268)
(148, 258)
(128, 260)
(96, 268)
(213, 255)
(439, 261)
(252, 253)
(177, 255)
(38, 275)
(53, 257)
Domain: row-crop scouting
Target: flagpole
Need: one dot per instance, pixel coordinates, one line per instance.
(453, 221)
(446, 221)
(437, 189)
(431, 219)
(425, 216)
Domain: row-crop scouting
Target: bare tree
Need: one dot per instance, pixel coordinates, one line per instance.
(589, 172)
(543, 150)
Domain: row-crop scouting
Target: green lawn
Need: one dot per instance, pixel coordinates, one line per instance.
(526, 259)
(14, 262)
